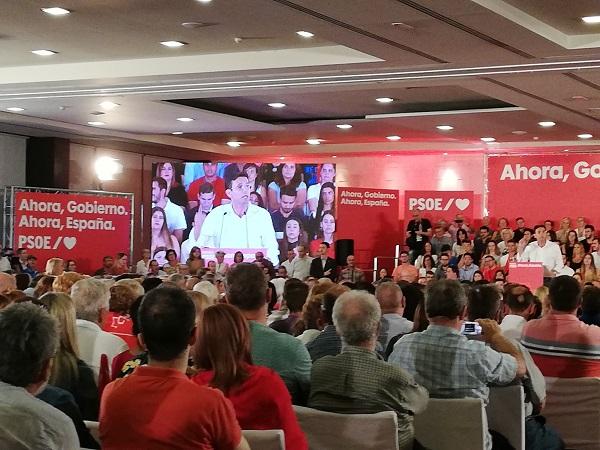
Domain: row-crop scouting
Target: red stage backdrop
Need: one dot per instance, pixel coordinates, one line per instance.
(438, 205)
(544, 187)
(72, 226)
(370, 217)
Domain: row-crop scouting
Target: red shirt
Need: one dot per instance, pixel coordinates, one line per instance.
(156, 408)
(489, 273)
(218, 185)
(122, 326)
(263, 402)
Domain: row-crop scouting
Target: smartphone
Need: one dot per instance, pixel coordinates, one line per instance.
(470, 328)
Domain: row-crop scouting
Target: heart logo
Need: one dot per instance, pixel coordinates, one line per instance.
(462, 203)
(70, 242)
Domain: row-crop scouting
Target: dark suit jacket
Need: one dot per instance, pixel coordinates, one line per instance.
(317, 271)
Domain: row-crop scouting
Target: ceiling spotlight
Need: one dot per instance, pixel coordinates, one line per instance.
(585, 136)
(314, 141)
(282, 157)
(388, 155)
(44, 52)
(56, 11)
(185, 119)
(15, 109)
(566, 150)
(334, 156)
(445, 127)
(204, 1)
(177, 132)
(384, 99)
(519, 132)
(234, 144)
(96, 123)
(393, 138)
(445, 153)
(344, 126)
(546, 124)
(488, 139)
(173, 44)
(305, 34)
(591, 19)
(277, 105)
(109, 106)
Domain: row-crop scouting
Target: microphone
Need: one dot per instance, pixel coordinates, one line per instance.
(222, 223)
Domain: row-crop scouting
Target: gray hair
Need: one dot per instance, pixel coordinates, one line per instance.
(90, 296)
(28, 338)
(445, 298)
(389, 295)
(356, 316)
(132, 284)
(208, 289)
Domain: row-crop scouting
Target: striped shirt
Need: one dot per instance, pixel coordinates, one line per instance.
(562, 346)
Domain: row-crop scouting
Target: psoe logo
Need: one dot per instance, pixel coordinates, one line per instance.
(437, 203)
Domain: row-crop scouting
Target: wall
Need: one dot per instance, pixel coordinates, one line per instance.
(12, 160)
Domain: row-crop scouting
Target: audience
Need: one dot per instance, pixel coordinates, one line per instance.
(117, 321)
(391, 300)
(521, 305)
(590, 306)
(369, 384)
(295, 293)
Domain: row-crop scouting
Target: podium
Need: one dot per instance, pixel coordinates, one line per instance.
(531, 274)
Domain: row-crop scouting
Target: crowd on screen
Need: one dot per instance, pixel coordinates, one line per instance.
(186, 355)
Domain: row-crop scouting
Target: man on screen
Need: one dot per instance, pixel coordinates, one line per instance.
(240, 224)
(175, 218)
(210, 177)
(286, 210)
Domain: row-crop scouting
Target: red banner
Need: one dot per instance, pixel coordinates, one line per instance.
(74, 226)
(370, 217)
(438, 205)
(544, 187)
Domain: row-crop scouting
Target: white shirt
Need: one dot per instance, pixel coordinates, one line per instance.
(93, 343)
(223, 228)
(142, 267)
(279, 283)
(4, 264)
(288, 266)
(222, 268)
(504, 259)
(175, 216)
(596, 257)
(300, 267)
(29, 423)
(549, 255)
(512, 326)
(188, 244)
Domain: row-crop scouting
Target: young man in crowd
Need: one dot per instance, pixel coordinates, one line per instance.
(466, 268)
(286, 210)
(210, 177)
(107, 266)
(405, 271)
(323, 265)
(301, 264)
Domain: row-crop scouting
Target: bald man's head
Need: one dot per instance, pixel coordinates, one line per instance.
(390, 298)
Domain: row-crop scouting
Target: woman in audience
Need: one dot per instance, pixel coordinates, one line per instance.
(541, 293)
(117, 320)
(326, 234)
(257, 186)
(326, 200)
(502, 225)
(293, 236)
(493, 250)
(175, 190)
(43, 285)
(326, 175)
(577, 258)
(588, 269)
(209, 290)
(427, 251)
(160, 232)
(567, 248)
(259, 396)
(71, 266)
(506, 234)
(309, 327)
(64, 282)
(121, 264)
(195, 260)
(500, 278)
(257, 199)
(461, 237)
(54, 267)
(68, 371)
(238, 257)
(288, 174)
(478, 276)
(172, 265)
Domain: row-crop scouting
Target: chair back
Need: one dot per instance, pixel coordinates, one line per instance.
(326, 430)
(506, 413)
(265, 439)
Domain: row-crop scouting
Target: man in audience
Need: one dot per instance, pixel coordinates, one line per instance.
(246, 289)
(107, 266)
(91, 299)
(260, 258)
(458, 223)
(466, 268)
(8, 283)
(286, 210)
(405, 271)
(510, 255)
(549, 224)
(588, 237)
(561, 345)
(295, 293)
(210, 177)
(323, 266)
(519, 232)
(29, 340)
(446, 362)
(480, 242)
(328, 342)
(595, 252)
(31, 267)
(301, 264)
(154, 269)
(443, 263)
(439, 240)
(521, 304)
(287, 264)
(142, 266)
(418, 231)
(20, 262)
(392, 303)
(351, 273)
(369, 384)
(157, 406)
(175, 217)
(205, 201)
(542, 250)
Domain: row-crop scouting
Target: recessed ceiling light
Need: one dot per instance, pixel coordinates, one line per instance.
(585, 136)
(234, 144)
(535, 138)
(173, 44)
(277, 105)
(15, 109)
(445, 154)
(107, 105)
(177, 132)
(282, 157)
(580, 97)
(344, 126)
(591, 19)
(445, 127)
(96, 123)
(44, 52)
(488, 139)
(384, 99)
(519, 132)
(56, 11)
(334, 156)
(393, 138)
(204, 1)
(314, 141)
(566, 150)
(546, 124)
(305, 34)
(388, 155)
(185, 119)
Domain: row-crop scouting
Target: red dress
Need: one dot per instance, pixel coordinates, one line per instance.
(263, 402)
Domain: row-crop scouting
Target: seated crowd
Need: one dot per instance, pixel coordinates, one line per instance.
(165, 358)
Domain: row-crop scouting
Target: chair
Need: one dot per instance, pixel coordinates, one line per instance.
(506, 413)
(573, 408)
(452, 424)
(326, 431)
(265, 439)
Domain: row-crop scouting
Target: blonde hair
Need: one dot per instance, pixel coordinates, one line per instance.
(55, 266)
(64, 282)
(542, 294)
(201, 301)
(208, 289)
(133, 284)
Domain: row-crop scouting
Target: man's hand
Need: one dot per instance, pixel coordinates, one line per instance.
(489, 328)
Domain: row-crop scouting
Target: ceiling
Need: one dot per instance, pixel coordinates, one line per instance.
(489, 68)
